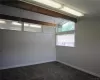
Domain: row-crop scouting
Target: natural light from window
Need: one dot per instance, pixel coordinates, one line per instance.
(66, 34)
(65, 40)
(19, 26)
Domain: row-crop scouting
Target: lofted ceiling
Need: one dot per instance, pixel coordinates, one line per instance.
(89, 7)
(24, 15)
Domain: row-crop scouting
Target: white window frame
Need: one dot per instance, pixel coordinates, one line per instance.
(66, 33)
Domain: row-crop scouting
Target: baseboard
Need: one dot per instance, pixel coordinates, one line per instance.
(89, 72)
(22, 65)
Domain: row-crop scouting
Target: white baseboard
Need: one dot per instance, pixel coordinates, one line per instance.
(22, 65)
(92, 73)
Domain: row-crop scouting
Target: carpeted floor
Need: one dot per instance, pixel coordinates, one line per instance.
(46, 71)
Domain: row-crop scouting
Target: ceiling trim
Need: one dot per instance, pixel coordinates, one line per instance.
(34, 8)
(8, 17)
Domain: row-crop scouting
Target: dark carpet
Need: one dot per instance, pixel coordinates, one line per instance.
(46, 71)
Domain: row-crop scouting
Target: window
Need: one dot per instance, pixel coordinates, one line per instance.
(66, 34)
(32, 27)
(18, 26)
(66, 40)
(69, 26)
(10, 25)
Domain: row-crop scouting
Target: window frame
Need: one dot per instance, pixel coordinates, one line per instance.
(66, 32)
(22, 27)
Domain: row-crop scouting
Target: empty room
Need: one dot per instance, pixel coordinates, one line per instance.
(49, 40)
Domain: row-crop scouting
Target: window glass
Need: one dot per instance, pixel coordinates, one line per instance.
(32, 27)
(68, 26)
(10, 25)
(65, 40)
(16, 25)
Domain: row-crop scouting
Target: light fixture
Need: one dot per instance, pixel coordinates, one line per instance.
(35, 25)
(26, 24)
(2, 21)
(49, 3)
(16, 23)
(71, 11)
(60, 7)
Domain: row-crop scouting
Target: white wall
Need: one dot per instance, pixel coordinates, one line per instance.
(27, 48)
(0, 41)
(86, 54)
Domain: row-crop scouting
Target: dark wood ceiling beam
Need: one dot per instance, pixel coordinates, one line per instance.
(2, 16)
(33, 8)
